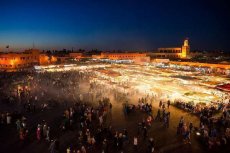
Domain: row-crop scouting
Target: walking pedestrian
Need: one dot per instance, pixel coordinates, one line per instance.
(135, 143)
(39, 132)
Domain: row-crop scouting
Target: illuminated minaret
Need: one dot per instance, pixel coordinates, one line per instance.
(185, 49)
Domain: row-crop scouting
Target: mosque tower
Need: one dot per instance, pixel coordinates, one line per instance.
(185, 49)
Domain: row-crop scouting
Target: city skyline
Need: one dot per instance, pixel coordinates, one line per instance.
(113, 25)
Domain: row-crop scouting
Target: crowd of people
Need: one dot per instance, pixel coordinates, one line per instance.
(41, 92)
(85, 107)
(214, 131)
(214, 123)
(93, 132)
(215, 107)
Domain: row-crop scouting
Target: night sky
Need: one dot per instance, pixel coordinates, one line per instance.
(114, 24)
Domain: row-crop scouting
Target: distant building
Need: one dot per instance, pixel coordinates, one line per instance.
(46, 60)
(70, 57)
(174, 52)
(28, 58)
(122, 56)
(63, 59)
(136, 57)
(75, 55)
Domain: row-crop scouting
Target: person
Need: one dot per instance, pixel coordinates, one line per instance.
(158, 117)
(83, 150)
(125, 134)
(26, 134)
(18, 124)
(190, 127)
(116, 144)
(39, 132)
(187, 137)
(168, 103)
(68, 150)
(44, 130)
(101, 120)
(104, 146)
(110, 106)
(151, 145)
(22, 134)
(184, 129)
(52, 146)
(149, 120)
(139, 128)
(120, 141)
(48, 134)
(143, 123)
(182, 120)
(167, 124)
(135, 143)
(145, 132)
(57, 145)
(165, 121)
(93, 141)
(168, 114)
(163, 106)
(8, 118)
(223, 141)
(160, 104)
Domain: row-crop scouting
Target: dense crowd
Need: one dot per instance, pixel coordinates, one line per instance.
(215, 107)
(85, 107)
(214, 129)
